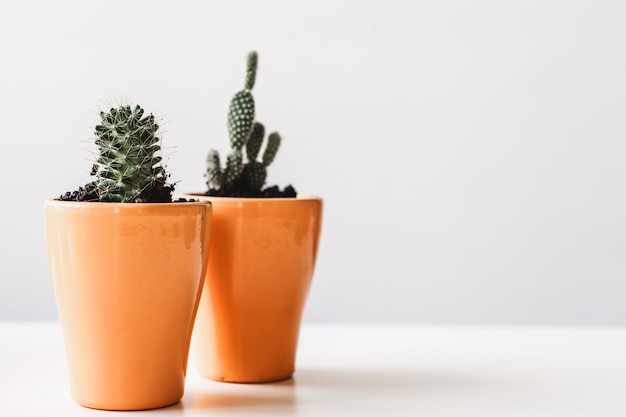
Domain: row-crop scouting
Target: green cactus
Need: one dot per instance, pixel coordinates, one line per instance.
(240, 119)
(253, 176)
(273, 143)
(128, 168)
(251, 65)
(214, 169)
(239, 175)
(253, 146)
(234, 166)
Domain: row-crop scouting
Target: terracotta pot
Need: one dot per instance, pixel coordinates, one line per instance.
(127, 280)
(261, 262)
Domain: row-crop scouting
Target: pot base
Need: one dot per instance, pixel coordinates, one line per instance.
(121, 408)
(249, 380)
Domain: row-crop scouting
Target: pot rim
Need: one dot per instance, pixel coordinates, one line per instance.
(127, 206)
(298, 197)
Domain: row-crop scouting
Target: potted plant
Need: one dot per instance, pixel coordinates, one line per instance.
(127, 265)
(263, 250)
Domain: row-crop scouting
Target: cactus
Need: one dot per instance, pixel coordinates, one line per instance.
(246, 139)
(128, 167)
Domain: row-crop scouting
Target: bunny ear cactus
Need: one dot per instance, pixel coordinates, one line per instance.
(239, 176)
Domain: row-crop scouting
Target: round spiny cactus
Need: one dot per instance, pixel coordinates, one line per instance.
(128, 167)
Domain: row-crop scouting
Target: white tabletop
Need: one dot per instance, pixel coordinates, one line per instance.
(367, 370)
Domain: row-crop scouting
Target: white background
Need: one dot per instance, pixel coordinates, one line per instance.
(471, 154)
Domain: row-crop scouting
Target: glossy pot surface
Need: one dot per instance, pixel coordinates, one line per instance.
(127, 279)
(262, 258)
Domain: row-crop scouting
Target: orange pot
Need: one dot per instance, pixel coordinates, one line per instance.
(261, 263)
(127, 280)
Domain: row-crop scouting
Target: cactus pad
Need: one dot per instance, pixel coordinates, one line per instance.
(253, 176)
(240, 119)
(253, 59)
(273, 143)
(253, 146)
(214, 169)
(234, 166)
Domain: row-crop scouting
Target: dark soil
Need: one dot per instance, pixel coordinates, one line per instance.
(150, 195)
(269, 192)
(86, 193)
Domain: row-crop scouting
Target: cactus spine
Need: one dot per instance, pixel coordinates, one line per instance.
(128, 168)
(246, 139)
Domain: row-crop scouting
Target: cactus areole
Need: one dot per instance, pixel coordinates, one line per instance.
(128, 168)
(244, 173)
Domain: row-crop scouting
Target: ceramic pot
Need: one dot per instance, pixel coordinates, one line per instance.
(261, 262)
(127, 279)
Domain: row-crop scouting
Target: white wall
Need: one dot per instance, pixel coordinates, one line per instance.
(471, 154)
